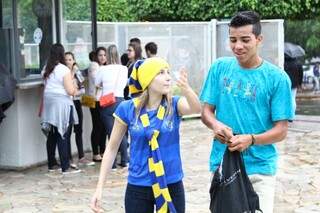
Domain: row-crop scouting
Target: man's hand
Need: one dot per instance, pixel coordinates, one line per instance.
(240, 142)
(222, 133)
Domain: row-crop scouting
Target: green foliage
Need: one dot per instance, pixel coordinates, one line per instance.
(306, 33)
(27, 19)
(77, 10)
(204, 10)
(113, 10)
(107, 10)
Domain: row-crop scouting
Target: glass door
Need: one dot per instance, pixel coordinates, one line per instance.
(35, 35)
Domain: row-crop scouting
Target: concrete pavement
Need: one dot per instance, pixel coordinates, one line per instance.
(298, 180)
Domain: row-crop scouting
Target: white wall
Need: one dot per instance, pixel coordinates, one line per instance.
(22, 143)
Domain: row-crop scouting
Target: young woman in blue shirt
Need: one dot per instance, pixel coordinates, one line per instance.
(153, 119)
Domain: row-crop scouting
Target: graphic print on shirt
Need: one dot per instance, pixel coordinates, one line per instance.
(240, 88)
(137, 128)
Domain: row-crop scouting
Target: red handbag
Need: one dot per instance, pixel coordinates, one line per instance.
(107, 100)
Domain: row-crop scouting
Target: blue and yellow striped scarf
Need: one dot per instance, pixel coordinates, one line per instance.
(156, 168)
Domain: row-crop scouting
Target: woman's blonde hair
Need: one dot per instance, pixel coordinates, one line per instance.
(112, 55)
(144, 98)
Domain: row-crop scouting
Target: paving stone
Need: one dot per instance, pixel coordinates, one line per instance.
(297, 189)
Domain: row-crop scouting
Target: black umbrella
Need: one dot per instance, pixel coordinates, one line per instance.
(293, 50)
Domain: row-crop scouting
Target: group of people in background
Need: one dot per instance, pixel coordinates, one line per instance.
(65, 84)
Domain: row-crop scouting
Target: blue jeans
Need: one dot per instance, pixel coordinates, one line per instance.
(140, 199)
(108, 120)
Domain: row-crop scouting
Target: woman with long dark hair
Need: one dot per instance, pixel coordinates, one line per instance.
(134, 53)
(98, 134)
(58, 108)
(113, 78)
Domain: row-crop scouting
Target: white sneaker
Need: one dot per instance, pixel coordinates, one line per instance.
(54, 168)
(84, 161)
(71, 171)
(73, 166)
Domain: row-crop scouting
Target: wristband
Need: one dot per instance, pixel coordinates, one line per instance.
(253, 140)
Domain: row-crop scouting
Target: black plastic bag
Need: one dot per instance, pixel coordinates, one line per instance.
(231, 190)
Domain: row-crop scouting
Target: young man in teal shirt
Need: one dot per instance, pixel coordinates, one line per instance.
(247, 103)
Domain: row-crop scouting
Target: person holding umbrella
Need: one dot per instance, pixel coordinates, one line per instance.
(293, 68)
(295, 72)
(293, 50)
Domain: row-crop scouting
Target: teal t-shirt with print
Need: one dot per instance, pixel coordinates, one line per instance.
(249, 101)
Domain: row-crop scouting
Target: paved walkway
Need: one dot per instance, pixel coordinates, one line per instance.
(298, 182)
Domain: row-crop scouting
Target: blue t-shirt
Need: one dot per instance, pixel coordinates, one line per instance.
(249, 101)
(169, 143)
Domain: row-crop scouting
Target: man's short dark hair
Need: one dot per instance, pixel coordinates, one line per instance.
(135, 40)
(152, 48)
(244, 18)
(93, 56)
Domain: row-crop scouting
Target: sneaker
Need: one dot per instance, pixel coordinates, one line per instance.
(71, 171)
(54, 168)
(84, 161)
(73, 166)
(114, 168)
(123, 165)
(96, 158)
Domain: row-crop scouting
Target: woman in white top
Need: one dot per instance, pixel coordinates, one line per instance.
(58, 108)
(113, 79)
(98, 134)
(79, 80)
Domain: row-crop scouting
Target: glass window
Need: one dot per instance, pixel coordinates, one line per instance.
(76, 30)
(6, 34)
(6, 19)
(34, 19)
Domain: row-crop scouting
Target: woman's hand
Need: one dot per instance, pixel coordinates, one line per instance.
(96, 202)
(189, 104)
(182, 82)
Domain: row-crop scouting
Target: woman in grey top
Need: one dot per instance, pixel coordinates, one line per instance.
(58, 108)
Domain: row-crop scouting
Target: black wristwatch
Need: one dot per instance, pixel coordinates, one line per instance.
(253, 140)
